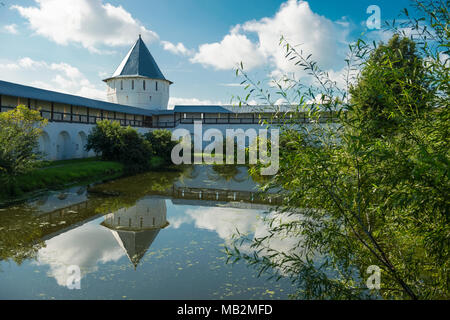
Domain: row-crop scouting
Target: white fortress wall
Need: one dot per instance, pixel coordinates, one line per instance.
(62, 140)
(65, 135)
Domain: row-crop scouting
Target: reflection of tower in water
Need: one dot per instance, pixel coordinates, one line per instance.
(136, 228)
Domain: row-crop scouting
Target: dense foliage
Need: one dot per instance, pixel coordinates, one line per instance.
(116, 143)
(372, 189)
(162, 144)
(124, 144)
(20, 130)
(392, 85)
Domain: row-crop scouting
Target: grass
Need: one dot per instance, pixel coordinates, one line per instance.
(56, 174)
(64, 173)
(46, 164)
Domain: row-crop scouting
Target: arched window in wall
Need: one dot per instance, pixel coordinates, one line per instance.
(121, 84)
(156, 85)
(143, 85)
(132, 84)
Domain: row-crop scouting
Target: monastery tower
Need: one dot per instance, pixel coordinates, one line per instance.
(138, 81)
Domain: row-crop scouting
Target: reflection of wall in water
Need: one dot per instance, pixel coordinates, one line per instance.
(148, 213)
(136, 228)
(53, 201)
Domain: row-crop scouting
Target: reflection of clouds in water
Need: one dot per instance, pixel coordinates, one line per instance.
(236, 178)
(283, 241)
(176, 222)
(225, 222)
(58, 200)
(85, 247)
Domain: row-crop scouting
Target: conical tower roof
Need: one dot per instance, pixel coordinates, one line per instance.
(135, 243)
(139, 62)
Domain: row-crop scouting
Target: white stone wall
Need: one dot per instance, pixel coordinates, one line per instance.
(154, 97)
(223, 129)
(62, 140)
(148, 213)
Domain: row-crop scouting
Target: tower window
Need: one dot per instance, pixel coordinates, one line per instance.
(156, 86)
(150, 98)
(121, 84)
(132, 84)
(143, 85)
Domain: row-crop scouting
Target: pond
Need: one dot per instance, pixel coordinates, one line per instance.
(151, 236)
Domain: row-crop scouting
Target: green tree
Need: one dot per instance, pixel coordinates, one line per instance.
(161, 141)
(361, 196)
(391, 87)
(135, 152)
(106, 139)
(20, 130)
(117, 143)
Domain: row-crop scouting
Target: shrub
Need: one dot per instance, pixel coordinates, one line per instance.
(135, 152)
(162, 144)
(106, 140)
(20, 130)
(391, 88)
(117, 143)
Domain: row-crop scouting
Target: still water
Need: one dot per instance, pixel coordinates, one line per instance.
(152, 236)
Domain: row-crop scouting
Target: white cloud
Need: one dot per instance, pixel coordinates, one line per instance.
(227, 221)
(28, 63)
(90, 23)
(314, 34)
(85, 247)
(379, 35)
(10, 28)
(67, 69)
(173, 101)
(178, 49)
(103, 74)
(227, 54)
(295, 20)
(232, 85)
(23, 63)
(61, 77)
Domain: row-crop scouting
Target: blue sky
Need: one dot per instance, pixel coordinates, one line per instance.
(71, 45)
